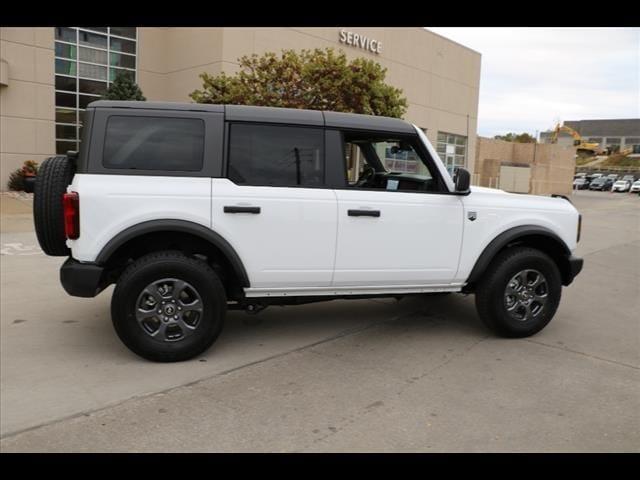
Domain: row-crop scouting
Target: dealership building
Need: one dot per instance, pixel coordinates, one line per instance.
(49, 75)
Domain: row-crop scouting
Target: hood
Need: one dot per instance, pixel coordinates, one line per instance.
(496, 197)
(475, 188)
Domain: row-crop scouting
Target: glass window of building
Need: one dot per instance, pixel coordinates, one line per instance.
(631, 141)
(87, 60)
(452, 150)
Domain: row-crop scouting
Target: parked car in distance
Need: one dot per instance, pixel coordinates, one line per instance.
(591, 177)
(613, 177)
(601, 183)
(635, 187)
(629, 178)
(621, 186)
(580, 184)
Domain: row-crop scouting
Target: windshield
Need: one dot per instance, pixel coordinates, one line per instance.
(400, 157)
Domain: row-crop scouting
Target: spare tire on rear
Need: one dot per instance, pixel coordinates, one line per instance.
(54, 175)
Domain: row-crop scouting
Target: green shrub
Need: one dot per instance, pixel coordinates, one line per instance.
(124, 87)
(16, 178)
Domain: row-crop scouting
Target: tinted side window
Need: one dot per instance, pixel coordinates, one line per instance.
(275, 155)
(154, 143)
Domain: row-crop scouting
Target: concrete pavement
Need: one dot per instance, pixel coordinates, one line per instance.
(361, 375)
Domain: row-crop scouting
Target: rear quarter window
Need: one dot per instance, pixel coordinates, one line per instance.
(154, 143)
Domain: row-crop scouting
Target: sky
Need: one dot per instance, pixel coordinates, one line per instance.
(532, 78)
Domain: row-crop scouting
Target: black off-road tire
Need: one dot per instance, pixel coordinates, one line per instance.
(490, 292)
(54, 175)
(154, 267)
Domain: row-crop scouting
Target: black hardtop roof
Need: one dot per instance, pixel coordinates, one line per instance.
(197, 107)
(273, 115)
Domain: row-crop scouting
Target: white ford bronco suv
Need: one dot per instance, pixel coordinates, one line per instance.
(194, 209)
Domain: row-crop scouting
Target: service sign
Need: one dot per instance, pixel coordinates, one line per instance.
(360, 41)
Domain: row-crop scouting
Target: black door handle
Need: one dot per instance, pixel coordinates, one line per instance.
(241, 209)
(364, 213)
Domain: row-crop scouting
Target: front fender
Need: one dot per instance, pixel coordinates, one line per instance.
(533, 235)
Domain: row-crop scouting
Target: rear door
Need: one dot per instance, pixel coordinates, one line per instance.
(273, 207)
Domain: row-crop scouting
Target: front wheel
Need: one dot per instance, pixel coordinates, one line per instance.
(167, 307)
(520, 292)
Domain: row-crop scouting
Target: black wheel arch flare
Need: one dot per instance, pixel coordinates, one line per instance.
(181, 226)
(534, 236)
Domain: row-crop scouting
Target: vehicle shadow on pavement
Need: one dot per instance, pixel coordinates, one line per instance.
(451, 313)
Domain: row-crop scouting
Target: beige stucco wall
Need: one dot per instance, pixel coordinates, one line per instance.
(552, 166)
(440, 78)
(170, 60)
(27, 109)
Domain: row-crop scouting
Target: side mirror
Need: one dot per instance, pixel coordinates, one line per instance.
(462, 180)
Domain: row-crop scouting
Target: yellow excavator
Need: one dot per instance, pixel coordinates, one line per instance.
(583, 149)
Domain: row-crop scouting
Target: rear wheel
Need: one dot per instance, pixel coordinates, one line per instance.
(167, 307)
(520, 292)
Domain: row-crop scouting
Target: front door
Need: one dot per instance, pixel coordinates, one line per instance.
(394, 227)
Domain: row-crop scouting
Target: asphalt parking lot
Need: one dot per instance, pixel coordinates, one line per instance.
(421, 374)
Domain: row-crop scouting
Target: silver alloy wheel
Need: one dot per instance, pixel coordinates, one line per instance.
(526, 295)
(169, 310)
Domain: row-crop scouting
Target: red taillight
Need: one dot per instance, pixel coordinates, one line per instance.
(71, 208)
